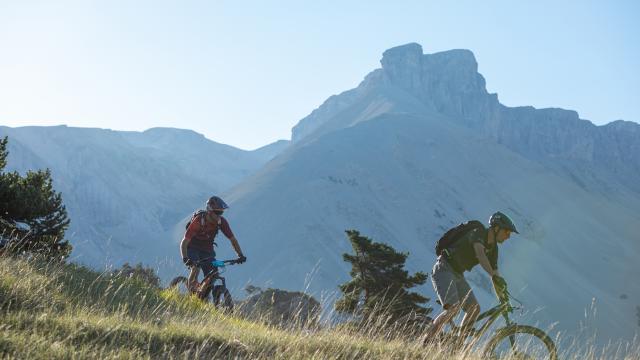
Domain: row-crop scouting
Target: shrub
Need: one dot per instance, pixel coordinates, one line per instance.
(145, 274)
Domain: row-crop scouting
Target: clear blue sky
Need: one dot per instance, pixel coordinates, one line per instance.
(243, 73)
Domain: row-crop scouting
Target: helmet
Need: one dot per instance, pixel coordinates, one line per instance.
(216, 203)
(502, 221)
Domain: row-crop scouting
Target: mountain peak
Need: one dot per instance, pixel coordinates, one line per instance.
(403, 53)
(446, 82)
(407, 67)
(402, 65)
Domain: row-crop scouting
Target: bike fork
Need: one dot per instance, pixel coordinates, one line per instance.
(512, 338)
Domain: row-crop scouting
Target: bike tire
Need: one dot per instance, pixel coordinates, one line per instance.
(180, 284)
(176, 281)
(221, 298)
(504, 333)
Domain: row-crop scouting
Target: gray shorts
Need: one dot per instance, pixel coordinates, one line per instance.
(451, 287)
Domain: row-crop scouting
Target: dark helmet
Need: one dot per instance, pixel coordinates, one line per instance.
(216, 203)
(502, 221)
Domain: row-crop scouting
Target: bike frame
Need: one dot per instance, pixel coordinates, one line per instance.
(491, 315)
(213, 276)
(210, 279)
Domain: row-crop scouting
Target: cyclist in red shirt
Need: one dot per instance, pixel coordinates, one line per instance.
(196, 247)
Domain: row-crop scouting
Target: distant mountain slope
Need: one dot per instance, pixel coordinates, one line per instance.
(268, 152)
(126, 190)
(404, 180)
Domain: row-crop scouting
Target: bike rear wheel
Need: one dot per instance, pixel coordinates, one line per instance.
(221, 298)
(521, 342)
(180, 284)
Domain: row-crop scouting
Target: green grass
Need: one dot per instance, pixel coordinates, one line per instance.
(64, 311)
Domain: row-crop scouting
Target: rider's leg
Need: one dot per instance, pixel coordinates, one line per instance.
(205, 287)
(450, 312)
(194, 255)
(469, 305)
(471, 312)
(192, 283)
(444, 281)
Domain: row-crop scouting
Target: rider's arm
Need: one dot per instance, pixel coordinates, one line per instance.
(193, 228)
(236, 246)
(483, 260)
(183, 246)
(226, 230)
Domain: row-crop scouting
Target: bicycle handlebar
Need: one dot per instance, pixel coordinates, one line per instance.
(218, 263)
(223, 263)
(507, 304)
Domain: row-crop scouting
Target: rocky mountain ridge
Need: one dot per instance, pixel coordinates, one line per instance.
(448, 83)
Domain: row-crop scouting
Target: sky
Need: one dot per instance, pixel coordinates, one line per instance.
(244, 73)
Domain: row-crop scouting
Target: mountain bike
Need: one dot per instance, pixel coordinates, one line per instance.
(512, 341)
(207, 290)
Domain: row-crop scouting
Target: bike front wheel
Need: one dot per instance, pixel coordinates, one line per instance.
(521, 342)
(222, 298)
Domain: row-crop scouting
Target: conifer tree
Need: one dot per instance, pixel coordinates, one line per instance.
(379, 284)
(3, 153)
(32, 215)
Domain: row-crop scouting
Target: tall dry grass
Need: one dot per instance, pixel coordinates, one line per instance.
(65, 311)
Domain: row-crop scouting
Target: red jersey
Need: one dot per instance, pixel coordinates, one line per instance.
(202, 232)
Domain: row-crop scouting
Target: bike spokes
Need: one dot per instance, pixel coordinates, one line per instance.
(521, 343)
(222, 298)
(525, 347)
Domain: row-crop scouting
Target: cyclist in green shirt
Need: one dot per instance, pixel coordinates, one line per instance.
(477, 246)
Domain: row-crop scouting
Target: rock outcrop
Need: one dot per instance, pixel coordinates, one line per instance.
(281, 307)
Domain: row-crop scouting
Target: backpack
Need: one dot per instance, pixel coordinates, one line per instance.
(451, 236)
(194, 216)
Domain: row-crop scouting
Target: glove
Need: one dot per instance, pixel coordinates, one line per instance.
(188, 262)
(242, 259)
(499, 282)
(500, 285)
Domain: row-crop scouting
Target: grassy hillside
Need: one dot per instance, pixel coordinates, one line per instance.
(66, 311)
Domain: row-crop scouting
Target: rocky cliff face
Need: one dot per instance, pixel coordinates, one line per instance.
(448, 83)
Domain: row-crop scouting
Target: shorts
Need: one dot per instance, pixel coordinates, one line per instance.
(202, 259)
(451, 287)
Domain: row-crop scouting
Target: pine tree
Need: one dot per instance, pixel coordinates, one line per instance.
(3, 153)
(32, 215)
(379, 284)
